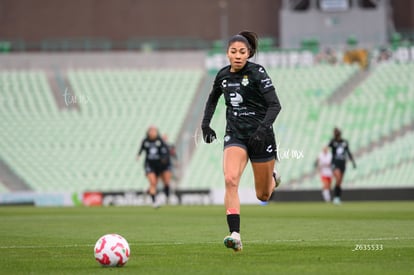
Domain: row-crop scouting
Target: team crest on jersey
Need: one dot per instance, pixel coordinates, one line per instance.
(245, 81)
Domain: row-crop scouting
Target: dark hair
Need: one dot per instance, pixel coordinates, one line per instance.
(247, 37)
(337, 132)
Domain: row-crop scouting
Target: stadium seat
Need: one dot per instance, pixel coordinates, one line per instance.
(372, 111)
(93, 148)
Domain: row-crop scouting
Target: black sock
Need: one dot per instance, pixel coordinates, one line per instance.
(167, 190)
(338, 191)
(233, 220)
(153, 198)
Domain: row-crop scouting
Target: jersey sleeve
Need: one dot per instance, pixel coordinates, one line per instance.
(211, 103)
(141, 148)
(269, 93)
(265, 82)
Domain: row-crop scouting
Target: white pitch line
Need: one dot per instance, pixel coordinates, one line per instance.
(214, 242)
(334, 240)
(44, 246)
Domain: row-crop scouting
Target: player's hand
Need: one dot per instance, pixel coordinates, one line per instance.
(258, 139)
(137, 158)
(208, 134)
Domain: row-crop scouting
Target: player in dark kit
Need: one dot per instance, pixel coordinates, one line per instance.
(252, 107)
(340, 152)
(157, 162)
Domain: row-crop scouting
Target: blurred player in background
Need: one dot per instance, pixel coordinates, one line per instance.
(324, 165)
(157, 163)
(173, 156)
(340, 154)
(252, 107)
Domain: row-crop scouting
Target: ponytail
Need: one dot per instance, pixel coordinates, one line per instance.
(252, 39)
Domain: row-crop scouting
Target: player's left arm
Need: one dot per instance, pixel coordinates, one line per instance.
(351, 157)
(268, 91)
(270, 96)
(164, 150)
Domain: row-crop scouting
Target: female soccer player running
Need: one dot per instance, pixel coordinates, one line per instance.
(157, 163)
(340, 151)
(252, 107)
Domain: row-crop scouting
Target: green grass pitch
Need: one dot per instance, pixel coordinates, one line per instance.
(280, 238)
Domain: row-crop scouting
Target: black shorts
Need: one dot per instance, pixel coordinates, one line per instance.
(269, 151)
(156, 167)
(339, 164)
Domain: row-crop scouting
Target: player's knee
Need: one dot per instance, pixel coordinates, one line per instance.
(231, 180)
(263, 196)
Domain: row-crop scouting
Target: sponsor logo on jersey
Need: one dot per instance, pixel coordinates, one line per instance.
(267, 82)
(234, 84)
(235, 99)
(247, 113)
(225, 84)
(261, 70)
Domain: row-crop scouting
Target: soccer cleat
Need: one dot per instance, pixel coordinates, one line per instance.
(337, 201)
(155, 205)
(278, 179)
(233, 241)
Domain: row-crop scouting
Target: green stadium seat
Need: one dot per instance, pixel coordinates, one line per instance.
(94, 148)
(67, 150)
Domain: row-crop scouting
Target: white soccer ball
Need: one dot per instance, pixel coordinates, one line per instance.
(112, 250)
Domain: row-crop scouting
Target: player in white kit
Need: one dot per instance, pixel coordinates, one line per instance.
(324, 165)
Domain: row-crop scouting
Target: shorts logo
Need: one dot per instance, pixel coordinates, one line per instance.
(269, 149)
(226, 138)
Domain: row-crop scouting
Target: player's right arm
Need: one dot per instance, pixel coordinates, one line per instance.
(140, 150)
(209, 135)
(316, 164)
